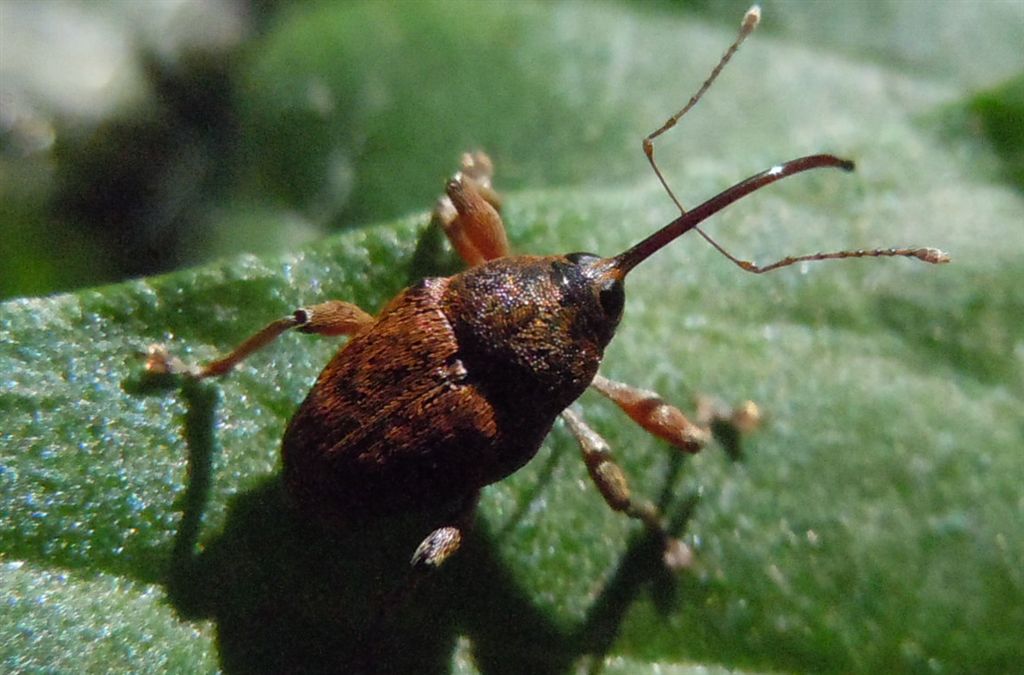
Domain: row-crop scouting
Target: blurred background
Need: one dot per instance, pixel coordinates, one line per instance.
(137, 137)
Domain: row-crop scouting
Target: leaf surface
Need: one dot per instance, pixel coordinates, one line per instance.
(875, 522)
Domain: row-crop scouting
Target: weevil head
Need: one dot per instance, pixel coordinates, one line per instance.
(597, 283)
(538, 324)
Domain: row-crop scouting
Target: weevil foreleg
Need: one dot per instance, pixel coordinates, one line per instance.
(654, 414)
(665, 421)
(334, 317)
(468, 212)
(611, 482)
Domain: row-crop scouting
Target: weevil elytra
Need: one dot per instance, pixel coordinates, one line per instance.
(456, 382)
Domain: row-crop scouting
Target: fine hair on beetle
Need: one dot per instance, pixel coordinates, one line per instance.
(456, 382)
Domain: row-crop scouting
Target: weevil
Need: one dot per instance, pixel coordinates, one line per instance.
(456, 382)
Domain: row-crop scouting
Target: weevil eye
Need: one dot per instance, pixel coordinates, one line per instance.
(612, 299)
(582, 258)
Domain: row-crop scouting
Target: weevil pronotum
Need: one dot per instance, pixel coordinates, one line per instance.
(456, 382)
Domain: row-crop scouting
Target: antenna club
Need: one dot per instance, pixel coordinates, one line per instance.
(751, 19)
(932, 255)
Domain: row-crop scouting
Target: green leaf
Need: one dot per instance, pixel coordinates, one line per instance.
(1000, 112)
(874, 523)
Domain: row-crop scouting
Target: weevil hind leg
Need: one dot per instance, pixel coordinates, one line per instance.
(468, 212)
(611, 482)
(442, 543)
(435, 549)
(334, 317)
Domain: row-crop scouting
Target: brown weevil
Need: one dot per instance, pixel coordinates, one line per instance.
(456, 382)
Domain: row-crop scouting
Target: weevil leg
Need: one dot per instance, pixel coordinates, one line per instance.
(665, 421)
(445, 540)
(440, 545)
(614, 488)
(468, 212)
(334, 317)
(654, 414)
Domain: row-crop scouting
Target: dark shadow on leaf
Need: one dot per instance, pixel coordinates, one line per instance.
(640, 567)
(289, 595)
(432, 257)
(544, 477)
(143, 383)
(729, 437)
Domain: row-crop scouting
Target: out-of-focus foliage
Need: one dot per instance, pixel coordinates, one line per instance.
(140, 137)
(1000, 114)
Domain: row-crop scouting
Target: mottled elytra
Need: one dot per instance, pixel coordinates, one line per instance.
(456, 382)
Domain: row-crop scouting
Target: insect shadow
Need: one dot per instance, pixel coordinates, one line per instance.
(289, 595)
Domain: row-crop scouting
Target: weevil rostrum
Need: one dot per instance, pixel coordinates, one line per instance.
(455, 383)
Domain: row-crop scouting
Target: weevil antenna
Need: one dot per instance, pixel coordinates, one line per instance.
(689, 220)
(750, 21)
